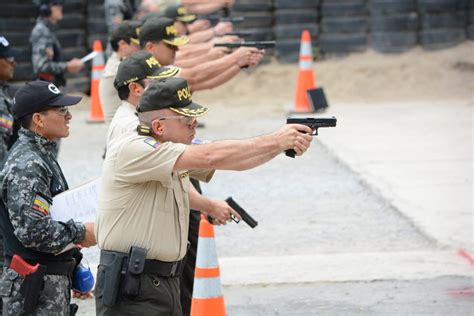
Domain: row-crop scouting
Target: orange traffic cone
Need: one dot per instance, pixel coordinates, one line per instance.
(207, 293)
(305, 79)
(96, 112)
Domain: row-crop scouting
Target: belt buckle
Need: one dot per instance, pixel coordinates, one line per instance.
(173, 270)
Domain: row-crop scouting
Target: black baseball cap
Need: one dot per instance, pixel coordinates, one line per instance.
(37, 96)
(170, 93)
(7, 51)
(161, 29)
(141, 65)
(179, 13)
(127, 31)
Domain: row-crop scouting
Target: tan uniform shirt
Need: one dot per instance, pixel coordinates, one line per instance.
(108, 95)
(124, 122)
(143, 202)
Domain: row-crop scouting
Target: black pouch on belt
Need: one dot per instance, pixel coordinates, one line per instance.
(136, 265)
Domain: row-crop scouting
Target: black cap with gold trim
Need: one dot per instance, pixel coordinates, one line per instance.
(170, 93)
(179, 13)
(161, 29)
(141, 65)
(127, 31)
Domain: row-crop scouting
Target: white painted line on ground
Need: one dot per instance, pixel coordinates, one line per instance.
(343, 267)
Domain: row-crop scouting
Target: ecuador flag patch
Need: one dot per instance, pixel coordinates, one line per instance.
(6, 121)
(41, 205)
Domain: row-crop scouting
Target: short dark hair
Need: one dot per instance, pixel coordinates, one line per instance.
(25, 121)
(124, 31)
(114, 42)
(124, 91)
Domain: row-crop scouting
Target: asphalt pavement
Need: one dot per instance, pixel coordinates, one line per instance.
(380, 208)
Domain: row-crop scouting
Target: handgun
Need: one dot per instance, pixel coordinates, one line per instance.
(245, 216)
(259, 45)
(217, 18)
(312, 122)
(239, 33)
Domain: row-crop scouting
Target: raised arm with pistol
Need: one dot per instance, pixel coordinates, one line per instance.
(312, 122)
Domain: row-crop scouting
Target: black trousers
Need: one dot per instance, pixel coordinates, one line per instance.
(157, 296)
(187, 278)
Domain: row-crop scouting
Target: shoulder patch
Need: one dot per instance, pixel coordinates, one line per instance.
(152, 142)
(6, 121)
(41, 205)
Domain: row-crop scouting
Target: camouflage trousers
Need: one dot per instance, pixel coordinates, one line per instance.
(54, 299)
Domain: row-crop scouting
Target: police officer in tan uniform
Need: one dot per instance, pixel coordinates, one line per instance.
(143, 209)
(124, 42)
(133, 76)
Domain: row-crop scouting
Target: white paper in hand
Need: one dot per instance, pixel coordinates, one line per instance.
(79, 203)
(88, 57)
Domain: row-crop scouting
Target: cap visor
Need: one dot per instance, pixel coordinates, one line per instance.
(186, 18)
(164, 72)
(14, 52)
(177, 41)
(64, 100)
(193, 110)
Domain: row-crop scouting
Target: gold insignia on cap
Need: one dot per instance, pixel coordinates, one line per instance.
(190, 112)
(126, 82)
(167, 72)
(135, 41)
(137, 30)
(151, 62)
(182, 11)
(184, 93)
(171, 30)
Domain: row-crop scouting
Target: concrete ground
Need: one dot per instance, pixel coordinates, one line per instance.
(376, 219)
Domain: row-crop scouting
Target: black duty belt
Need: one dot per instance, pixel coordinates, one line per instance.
(160, 268)
(52, 267)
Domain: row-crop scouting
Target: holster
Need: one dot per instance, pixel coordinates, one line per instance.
(136, 265)
(30, 289)
(112, 275)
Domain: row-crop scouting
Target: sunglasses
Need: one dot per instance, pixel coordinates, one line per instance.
(189, 120)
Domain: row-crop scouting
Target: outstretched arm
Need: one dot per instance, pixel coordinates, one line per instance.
(245, 154)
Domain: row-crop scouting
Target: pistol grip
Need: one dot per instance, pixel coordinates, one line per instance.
(290, 153)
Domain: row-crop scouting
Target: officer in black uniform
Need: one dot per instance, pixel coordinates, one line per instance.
(29, 180)
(46, 57)
(8, 128)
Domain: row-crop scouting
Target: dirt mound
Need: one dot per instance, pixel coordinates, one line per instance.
(368, 77)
